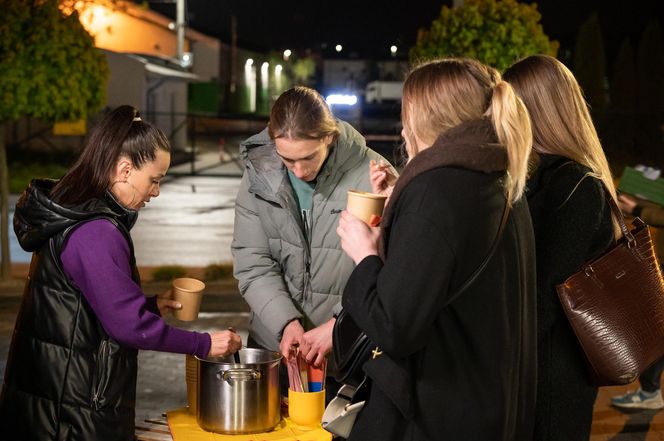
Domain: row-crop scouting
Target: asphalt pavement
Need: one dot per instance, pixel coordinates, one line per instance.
(190, 223)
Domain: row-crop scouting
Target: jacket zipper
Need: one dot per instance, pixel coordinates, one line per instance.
(99, 369)
(307, 262)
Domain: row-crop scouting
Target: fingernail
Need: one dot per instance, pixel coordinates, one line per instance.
(178, 305)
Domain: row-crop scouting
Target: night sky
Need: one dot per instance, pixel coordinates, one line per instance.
(368, 28)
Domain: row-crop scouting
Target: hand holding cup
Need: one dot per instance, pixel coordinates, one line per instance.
(166, 304)
(358, 239)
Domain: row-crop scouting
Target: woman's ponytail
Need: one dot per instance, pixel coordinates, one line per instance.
(512, 124)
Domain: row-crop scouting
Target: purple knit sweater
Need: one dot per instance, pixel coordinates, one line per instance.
(96, 258)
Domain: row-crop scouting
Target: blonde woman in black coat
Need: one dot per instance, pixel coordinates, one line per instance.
(464, 368)
(573, 223)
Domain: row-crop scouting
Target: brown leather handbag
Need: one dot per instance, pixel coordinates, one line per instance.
(615, 305)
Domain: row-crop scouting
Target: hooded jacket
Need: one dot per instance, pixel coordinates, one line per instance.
(65, 378)
(283, 274)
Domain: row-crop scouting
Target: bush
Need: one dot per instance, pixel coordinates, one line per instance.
(168, 272)
(22, 174)
(27, 164)
(496, 32)
(220, 271)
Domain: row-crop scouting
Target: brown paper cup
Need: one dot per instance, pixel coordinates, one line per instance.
(189, 293)
(191, 378)
(192, 396)
(365, 205)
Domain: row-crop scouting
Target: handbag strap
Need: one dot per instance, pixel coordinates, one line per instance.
(617, 212)
(494, 245)
(613, 205)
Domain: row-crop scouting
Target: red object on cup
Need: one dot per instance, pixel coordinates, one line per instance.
(374, 220)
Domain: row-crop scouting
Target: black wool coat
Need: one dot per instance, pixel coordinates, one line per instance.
(460, 370)
(572, 223)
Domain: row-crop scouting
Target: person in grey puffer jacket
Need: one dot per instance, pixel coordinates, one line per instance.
(287, 255)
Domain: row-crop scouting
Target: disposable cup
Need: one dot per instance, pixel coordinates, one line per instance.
(306, 408)
(191, 368)
(192, 396)
(366, 206)
(189, 293)
(191, 378)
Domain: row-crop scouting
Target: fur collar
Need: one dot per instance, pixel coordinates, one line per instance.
(472, 145)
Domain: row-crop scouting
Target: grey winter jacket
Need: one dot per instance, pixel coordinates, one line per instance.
(282, 274)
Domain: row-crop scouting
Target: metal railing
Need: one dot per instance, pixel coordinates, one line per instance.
(199, 141)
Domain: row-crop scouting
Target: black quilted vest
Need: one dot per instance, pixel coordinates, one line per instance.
(65, 378)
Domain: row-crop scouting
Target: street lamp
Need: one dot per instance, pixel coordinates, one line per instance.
(287, 54)
(187, 60)
(264, 73)
(277, 76)
(393, 50)
(338, 48)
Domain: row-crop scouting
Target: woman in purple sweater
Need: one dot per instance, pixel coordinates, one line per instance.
(71, 370)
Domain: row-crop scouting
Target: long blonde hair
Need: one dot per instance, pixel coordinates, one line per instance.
(442, 94)
(561, 121)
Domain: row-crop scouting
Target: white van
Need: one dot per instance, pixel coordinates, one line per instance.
(379, 91)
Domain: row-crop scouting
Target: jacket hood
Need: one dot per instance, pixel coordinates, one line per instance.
(38, 218)
(267, 170)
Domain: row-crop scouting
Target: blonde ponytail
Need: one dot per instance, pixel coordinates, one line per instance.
(512, 124)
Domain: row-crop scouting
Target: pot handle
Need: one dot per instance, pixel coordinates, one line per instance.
(241, 374)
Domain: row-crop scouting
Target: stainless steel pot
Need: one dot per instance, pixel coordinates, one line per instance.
(239, 398)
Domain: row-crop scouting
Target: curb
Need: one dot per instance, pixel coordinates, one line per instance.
(219, 295)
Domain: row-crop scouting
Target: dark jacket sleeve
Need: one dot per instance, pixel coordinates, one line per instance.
(652, 215)
(566, 236)
(396, 303)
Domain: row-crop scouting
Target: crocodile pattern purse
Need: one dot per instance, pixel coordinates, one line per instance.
(615, 305)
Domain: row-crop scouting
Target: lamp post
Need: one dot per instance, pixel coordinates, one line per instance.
(179, 29)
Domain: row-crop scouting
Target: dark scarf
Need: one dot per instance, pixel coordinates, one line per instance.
(472, 145)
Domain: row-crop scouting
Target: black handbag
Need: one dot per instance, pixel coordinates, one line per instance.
(352, 348)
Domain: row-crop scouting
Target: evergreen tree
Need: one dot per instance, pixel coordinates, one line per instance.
(623, 83)
(650, 94)
(619, 126)
(589, 65)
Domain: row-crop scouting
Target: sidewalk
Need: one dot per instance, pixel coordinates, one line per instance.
(190, 223)
(611, 424)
